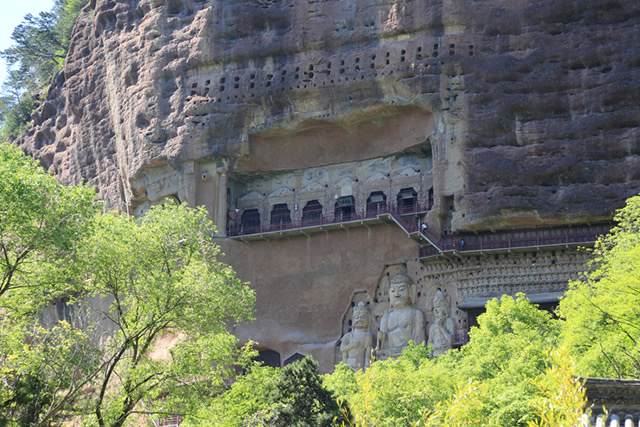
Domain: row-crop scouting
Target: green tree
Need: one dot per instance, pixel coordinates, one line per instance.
(563, 400)
(248, 395)
(41, 224)
(300, 399)
(41, 42)
(491, 380)
(602, 309)
(394, 391)
(507, 351)
(40, 46)
(159, 277)
(126, 286)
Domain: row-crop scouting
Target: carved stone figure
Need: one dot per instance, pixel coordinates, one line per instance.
(357, 345)
(441, 332)
(403, 322)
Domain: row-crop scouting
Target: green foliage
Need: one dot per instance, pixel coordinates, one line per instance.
(249, 395)
(67, 11)
(40, 47)
(506, 352)
(602, 310)
(130, 285)
(37, 46)
(300, 399)
(17, 117)
(41, 223)
(162, 278)
(489, 381)
(292, 396)
(392, 392)
(563, 400)
(465, 408)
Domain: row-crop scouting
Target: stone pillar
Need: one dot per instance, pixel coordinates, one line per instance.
(221, 202)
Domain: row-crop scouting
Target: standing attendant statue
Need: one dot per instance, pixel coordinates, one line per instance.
(403, 322)
(441, 332)
(357, 345)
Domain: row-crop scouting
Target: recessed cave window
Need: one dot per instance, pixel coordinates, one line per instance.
(293, 358)
(269, 358)
(345, 208)
(407, 200)
(312, 213)
(250, 221)
(376, 203)
(280, 216)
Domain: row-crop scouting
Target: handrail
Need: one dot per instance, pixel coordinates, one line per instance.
(510, 239)
(407, 219)
(381, 209)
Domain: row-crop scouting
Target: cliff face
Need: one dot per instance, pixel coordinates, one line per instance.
(529, 109)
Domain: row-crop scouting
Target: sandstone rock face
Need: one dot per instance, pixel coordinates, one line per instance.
(493, 114)
(530, 110)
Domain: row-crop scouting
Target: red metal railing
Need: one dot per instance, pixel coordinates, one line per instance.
(408, 220)
(374, 210)
(515, 239)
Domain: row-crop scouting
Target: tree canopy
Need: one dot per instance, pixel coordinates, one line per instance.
(41, 221)
(40, 46)
(602, 310)
(105, 315)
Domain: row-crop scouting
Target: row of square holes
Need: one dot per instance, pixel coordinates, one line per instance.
(310, 73)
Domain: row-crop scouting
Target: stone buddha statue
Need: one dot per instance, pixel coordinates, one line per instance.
(441, 332)
(402, 322)
(357, 345)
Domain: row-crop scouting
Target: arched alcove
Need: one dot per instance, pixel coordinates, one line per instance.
(250, 221)
(294, 358)
(312, 213)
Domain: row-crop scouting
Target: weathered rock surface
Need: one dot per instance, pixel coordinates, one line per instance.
(530, 108)
(502, 113)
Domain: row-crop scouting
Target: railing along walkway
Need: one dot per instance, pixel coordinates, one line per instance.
(325, 220)
(407, 219)
(501, 240)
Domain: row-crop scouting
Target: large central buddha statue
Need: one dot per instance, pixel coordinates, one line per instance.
(403, 322)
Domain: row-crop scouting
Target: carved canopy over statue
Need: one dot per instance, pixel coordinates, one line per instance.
(403, 322)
